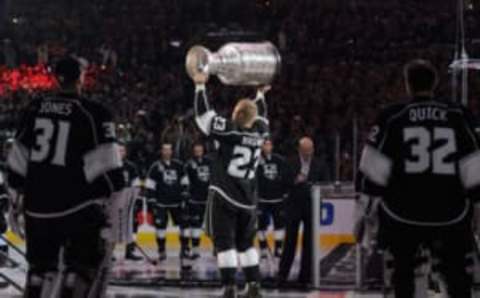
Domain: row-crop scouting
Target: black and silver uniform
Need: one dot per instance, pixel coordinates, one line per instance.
(238, 153)
(423, 159)
(64, 156)
(164, 183)
(272, 179)
(198, 171)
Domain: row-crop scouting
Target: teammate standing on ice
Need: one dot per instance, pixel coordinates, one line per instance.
(198, 169)
(165, 193)
(272, 190)
(65, 162)
(231, 208)
(422, 159)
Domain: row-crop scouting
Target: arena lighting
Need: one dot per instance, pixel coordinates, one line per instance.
(175, 43)
(465, 64)
(26, 78)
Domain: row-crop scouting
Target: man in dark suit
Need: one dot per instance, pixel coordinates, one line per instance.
(306, 170)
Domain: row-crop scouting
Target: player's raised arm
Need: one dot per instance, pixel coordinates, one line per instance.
(204, 114)
(261, 102)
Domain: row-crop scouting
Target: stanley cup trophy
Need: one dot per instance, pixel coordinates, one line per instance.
(238, 64)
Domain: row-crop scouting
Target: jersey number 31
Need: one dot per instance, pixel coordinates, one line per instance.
(424, 157)
(43, 141)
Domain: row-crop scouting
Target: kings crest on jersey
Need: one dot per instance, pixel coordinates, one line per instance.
(238, 152)
(423, 159)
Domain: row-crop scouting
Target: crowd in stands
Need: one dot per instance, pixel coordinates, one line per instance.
(342, 61)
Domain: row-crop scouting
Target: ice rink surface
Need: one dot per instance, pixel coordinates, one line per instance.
(141, 271)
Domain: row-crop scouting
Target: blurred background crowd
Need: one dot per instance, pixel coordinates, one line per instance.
(342, 61)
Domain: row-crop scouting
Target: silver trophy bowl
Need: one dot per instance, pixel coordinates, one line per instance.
(238, 64)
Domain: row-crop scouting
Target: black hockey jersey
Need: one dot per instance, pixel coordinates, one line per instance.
(236, 159)
(131, 174)
(165, 184)
(423, 159)
(64, 156)
(272, 179)
(198, 171)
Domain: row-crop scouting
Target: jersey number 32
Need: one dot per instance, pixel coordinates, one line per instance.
(424, 156)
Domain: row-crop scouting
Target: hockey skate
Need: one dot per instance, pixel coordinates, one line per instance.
(253, 290)
(130, 253)
(230, 292)
(162, 256)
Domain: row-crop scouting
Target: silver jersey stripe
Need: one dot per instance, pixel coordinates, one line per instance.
(376, 165)
(229, 199)
(70, 211)
(195, 202)
(398, 218)
(270, 201)
(100, 160)
(470, 170)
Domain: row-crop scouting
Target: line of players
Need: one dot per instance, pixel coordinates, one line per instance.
(178, 190)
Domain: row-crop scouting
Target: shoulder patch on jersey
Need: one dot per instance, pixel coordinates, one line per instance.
(219, 123)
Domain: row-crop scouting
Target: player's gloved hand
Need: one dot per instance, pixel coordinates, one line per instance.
(264, 89)
(200, 78)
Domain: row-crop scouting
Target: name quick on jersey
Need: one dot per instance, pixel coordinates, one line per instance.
(59, 108)
(427, 113)
(252, 141)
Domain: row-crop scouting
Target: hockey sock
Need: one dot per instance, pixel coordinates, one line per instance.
(228, 263)
(279, 236)
(228, 276)
(249, 261)
(184, 240)
(161, 244)
(195, 242)
(262, 240)
(161, 240)
(196, 237)
(252, 273)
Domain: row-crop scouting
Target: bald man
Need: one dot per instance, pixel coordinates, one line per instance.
(306, 170)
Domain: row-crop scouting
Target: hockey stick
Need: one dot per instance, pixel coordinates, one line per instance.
(144, 253)
(12, 282)
(99, 286)
(13, 246)
(14, 263)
